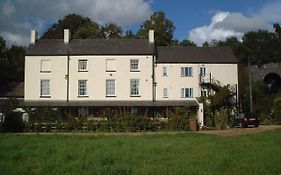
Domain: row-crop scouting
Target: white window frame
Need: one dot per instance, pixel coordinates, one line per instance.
(186, 71)
(135, 88)
(82, 88)
(165, 92)
(165, 71)
(134, 65)
(202, 71)
(186, 92)
(110, 85)
(42, 66)
(45, 88)
(83, 65)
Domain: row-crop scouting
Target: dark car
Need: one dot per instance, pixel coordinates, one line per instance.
(243, 120)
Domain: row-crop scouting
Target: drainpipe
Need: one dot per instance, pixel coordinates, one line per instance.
(67, 77)
(153, 79)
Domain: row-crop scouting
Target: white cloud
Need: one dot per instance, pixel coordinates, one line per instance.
(18, 17)
(227, 24)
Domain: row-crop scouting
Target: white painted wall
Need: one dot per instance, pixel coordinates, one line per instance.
(174, 82)
(224, 73)
(56, 77)
(96, 77)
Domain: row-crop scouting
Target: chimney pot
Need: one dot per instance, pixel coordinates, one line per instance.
(34, 36)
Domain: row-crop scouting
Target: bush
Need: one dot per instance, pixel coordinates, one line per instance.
(277, 110)
(13, 123)
(221, 119)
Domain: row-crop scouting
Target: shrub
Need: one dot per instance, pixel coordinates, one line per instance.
(221, 119)
(13, 123)
(277, 110)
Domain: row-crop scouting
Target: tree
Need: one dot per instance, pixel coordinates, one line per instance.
(206, 44)
(129, 35)
(163, 27)
(71, 21)
(187, 42)
(112, 31)
(89, 31)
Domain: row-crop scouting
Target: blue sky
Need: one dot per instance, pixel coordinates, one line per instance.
(197, 20)
(189, 14)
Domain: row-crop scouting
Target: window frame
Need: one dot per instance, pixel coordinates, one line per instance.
(80, 61)
(165, 71)
(132, 68)
(165, 93)
(85, 94)
(109, 86)
(45, 91)
(45, 71)
(186, 71)
(187, 93)
(106, 63)
(201, 71)
(135, 89)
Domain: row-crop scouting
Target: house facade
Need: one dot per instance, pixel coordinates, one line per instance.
(121, 72)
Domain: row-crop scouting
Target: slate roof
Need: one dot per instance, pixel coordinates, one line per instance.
(47, 47)
(185, 54)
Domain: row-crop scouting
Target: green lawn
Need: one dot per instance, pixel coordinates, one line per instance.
(184, 153)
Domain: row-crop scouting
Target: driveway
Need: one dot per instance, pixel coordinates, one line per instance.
(240, 131)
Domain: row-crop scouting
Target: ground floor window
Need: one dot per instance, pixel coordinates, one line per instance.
(135, 87)
(82, 88)
(186, 92)
(44, 88)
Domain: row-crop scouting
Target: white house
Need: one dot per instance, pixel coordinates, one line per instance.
(121, 72)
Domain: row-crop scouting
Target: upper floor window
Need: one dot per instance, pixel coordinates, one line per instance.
(110, 88)
(165, 92)
(82, 88)
(134, 65)
(135, 91)
(165, 71)
(110, 65)
(186, 72)
(45, 88)
(203, 71)
(82, 65)
(45, 66)
(186, 92)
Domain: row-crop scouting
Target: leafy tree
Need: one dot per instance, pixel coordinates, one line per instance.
(163, 27)
(71, 21)
(112, 31)
(187, 42)
(89, 31)
(206, 44)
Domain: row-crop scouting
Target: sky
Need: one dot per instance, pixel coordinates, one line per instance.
(196, 20)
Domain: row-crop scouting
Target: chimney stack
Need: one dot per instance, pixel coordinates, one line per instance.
(34, 36)
(66, 37)
(151, 36)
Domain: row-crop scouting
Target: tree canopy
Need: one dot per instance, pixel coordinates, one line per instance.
(163, 28)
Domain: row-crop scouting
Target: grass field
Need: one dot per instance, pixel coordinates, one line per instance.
(183, 153)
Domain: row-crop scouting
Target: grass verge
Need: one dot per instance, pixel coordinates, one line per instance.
(183, 153)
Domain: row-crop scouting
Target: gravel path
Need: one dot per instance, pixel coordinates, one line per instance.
(240, 131)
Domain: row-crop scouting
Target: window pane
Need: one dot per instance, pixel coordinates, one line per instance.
(165, 72)
(110, 87)
(165, 92)
(82, 65)
(134, 64)
(82, 87)
(134, 87)
(45, 87)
